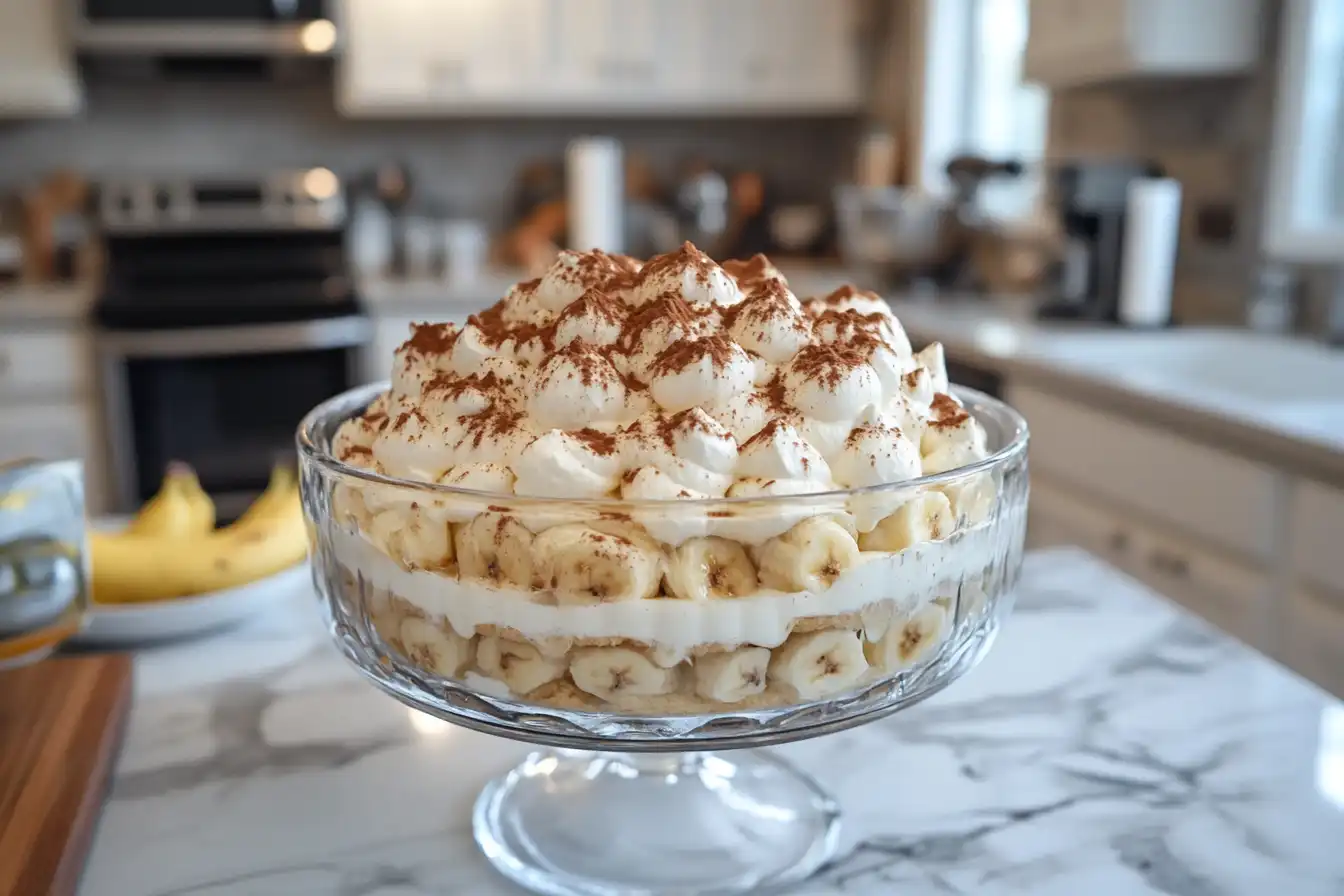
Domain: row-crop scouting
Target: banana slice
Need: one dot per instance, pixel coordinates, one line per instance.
(972, 501)
(444, 653)
(412, 538)
(732, 677)
(520, 666)
(585, 566)
(907, 643)
(928, 517)
(702, 568)
(818, 664)
(495, 548)
(619, 674)
(808, 557)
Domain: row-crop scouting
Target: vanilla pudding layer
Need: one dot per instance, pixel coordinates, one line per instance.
(881, 585)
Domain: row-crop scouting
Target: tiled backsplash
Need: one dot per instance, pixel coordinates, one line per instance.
(468, 165)
(1214, 136)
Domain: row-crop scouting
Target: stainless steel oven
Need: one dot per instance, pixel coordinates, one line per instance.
(224, 399)
(225, 315)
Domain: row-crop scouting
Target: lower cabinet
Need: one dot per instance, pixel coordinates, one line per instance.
(56, 431)
(1232, 595)
(1314, 637)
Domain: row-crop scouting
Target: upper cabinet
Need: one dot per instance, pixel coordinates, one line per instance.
(37, 66)
(1078, 42)
(638, 57)
(1304, 217)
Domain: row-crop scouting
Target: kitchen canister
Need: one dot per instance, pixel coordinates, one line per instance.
(1148, 259)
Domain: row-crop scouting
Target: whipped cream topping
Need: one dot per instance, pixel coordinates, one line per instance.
(676, 379)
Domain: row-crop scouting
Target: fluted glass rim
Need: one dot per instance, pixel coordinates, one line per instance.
(985, 408)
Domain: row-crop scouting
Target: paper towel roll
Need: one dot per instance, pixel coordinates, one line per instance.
(595, 188)
(1148, 262)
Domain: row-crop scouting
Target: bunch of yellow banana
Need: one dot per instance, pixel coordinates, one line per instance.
(172, 548)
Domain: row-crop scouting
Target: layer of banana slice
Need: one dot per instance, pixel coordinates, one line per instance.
(347, 506)
(583, 565)
(520, 666)
(972, 501)
(413, 538)
(702, 568)
(927, 517)
(733, 676)
(620, 674)
(910, 641)
(445, 653)
(495, 548)
(819, 664)
(808, 557)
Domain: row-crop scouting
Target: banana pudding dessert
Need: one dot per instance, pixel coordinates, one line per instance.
(668, 487)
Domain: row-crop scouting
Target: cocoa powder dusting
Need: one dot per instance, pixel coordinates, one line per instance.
(750, 272)
(828, 364)
(680, 355)
(429, 340)
(600, 443)
(356, 451)
(946, 412)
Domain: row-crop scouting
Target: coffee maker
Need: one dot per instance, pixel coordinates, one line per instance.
(1090, 198)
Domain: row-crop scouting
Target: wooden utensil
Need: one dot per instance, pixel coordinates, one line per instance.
(61, 724)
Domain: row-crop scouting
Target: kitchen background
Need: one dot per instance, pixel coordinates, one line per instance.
(971, 158)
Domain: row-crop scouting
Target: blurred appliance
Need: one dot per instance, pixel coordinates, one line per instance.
(227, 312)
(892, 227)
(1090, 198)
(702, 208)
(204, 27)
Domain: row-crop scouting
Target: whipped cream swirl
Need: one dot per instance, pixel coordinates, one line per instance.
(673, 380)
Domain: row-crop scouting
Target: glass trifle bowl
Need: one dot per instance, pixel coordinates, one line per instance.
(564, 584)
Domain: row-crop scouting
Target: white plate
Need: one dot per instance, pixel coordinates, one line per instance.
(185, 617)
(189, 616)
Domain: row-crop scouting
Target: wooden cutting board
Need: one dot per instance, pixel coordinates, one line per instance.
(61, 722)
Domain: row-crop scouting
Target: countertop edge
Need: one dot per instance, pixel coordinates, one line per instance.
(1289, 453)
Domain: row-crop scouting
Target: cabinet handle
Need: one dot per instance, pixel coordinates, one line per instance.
(625, 70)
(1171, 564)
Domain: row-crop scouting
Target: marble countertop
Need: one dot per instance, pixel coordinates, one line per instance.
(1110, 744)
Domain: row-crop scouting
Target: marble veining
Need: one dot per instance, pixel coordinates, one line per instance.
(1110, 744)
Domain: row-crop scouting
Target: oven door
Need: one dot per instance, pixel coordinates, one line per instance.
(226, 400)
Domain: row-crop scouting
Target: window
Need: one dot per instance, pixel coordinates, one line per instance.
(975, 100)
(1305, 204)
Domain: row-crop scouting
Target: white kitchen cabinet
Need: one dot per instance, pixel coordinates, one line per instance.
(407, 55)
(56, 431)
(1234, 596)
(411, 57)
(44, 363)
(38, 77)
(1215, 497)
(790, 53)
(1078, 42)
(1316, 535)
(1314, 638)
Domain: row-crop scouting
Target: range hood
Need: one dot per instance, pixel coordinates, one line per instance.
(204, 28)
